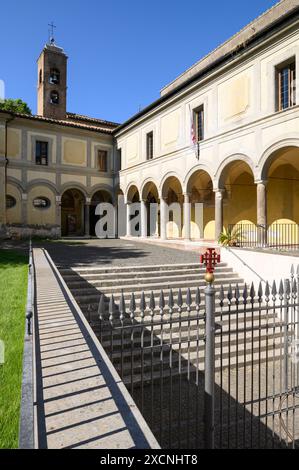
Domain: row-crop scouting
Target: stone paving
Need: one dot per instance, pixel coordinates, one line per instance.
(81, 402)
(118, 252)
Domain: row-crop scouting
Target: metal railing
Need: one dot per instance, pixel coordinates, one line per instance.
(277, 236)
(208, 374)
(26, 431)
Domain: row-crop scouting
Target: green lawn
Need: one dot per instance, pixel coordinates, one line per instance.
(13, 290)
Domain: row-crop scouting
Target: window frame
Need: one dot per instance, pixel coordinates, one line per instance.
(12, 199)
(199, 111)
(39, 158)
(104, 152)
(289, 66)
(42, 208)
(150, 145)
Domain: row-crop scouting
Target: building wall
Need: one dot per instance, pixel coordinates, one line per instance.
(241, 122)
(72, 163)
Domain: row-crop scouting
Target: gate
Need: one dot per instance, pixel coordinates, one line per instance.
(211, 369)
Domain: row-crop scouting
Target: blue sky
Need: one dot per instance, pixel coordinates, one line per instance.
(121, 53)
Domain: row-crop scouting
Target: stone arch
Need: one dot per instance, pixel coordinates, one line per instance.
(280, 172)
(199, 187)
(38, 216)
(18, 184)
(150, 196)
(171, 190)
(75, 185)
(45, 183)
(270, 154)
(14, 213)
(101, 187)
(132, 193)
(102, 195)
(236, 178)
(72, 212)
(222, 168)
(201, 167)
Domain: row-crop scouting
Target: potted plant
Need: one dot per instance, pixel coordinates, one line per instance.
(230, 236)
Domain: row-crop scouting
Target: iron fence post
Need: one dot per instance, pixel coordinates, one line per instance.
(286, 323)
(209, 395)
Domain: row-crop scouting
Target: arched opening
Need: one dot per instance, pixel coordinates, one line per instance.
(54, 97)
(202, 200)
(151, 197)
(282, 174)
(239, 198)
(173, 195)
(97, 198)
(134, 197)
(72, 213)
(54, 78)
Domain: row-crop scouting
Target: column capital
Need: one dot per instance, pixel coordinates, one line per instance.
(219, 190)
(88, 201)
(262, 182)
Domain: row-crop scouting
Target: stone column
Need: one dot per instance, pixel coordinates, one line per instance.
(58, 215)
(143, 218)
(218, 212)
(24, 208)
(128, 210)
(187, 216)
(87, 217)
(163, 218)
(2, 195)
(261, 194)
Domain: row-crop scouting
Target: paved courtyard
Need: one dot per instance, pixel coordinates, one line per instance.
(115, 253)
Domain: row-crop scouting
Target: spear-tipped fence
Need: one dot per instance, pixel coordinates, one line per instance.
(159, 347)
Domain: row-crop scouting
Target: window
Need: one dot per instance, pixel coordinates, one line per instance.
(54, 97)
(149, 145)
(40, 76)
(41, 203)
(10, 202)
(41, 153)
(54, 78)
(286, 85)
(199, 123)
(102, 160)
(119, 159)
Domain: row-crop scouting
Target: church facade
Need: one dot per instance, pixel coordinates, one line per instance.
(223, 136)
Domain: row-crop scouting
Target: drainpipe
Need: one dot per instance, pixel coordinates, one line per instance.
(7, 121)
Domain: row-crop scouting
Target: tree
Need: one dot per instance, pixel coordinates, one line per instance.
(15, 106)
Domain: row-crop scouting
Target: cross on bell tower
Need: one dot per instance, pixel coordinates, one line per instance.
(52, 79)
(51, 32)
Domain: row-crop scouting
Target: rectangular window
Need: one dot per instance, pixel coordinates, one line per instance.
(199, 123)
(286, 86)
(119, 160)
(41, 153)
(149, 146)
(102, 160)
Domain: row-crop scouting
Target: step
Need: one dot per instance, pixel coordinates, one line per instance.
(78, 282)
(147, 288)
(142, 274)
(191, 363)
(126, 343)
(133, 268)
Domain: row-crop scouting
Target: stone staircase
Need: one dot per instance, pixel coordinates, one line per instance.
(246, 337)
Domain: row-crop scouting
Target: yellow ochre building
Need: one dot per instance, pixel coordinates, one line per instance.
(225, 134)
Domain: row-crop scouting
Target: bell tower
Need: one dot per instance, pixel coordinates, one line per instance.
(52, 81)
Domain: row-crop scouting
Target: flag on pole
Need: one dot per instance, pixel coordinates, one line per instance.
(192, 126)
